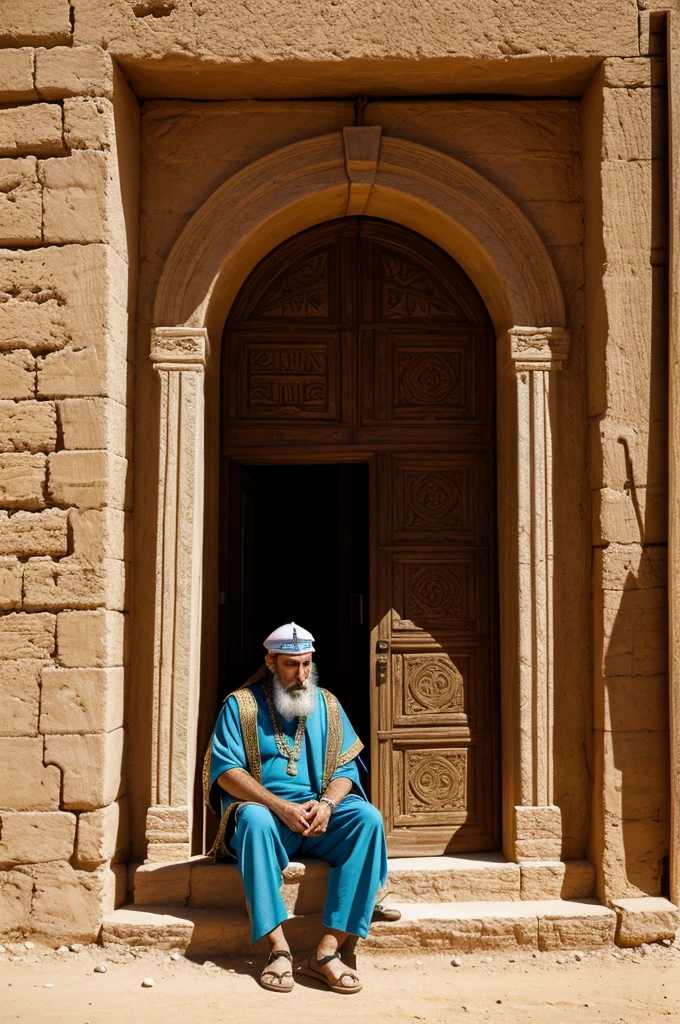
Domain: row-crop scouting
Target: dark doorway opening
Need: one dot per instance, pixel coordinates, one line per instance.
(298, 550)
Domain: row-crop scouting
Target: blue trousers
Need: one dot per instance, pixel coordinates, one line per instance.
(353, 845)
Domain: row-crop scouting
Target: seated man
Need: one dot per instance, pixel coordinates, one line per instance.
(283, 767)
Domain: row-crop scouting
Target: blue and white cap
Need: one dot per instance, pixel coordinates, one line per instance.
(289, 639)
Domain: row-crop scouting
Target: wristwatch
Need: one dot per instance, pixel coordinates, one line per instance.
(327, 800)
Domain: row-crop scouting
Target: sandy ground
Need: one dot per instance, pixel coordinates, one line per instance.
(505, 988)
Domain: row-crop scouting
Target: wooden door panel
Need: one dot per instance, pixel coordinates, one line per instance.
(437, 498)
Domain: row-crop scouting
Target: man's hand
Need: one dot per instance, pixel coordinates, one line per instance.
(292, 815)
(316, 815)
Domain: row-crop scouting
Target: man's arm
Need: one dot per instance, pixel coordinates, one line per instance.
(238, 783)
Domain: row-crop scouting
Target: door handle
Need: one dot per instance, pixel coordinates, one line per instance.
(382, 648)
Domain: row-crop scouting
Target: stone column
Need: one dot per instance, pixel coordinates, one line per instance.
(178, 355)
(531, 355)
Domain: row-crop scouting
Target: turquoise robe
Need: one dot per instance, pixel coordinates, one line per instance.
(354, 842)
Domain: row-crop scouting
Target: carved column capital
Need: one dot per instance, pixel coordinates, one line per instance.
(533, 348)
(178, 348)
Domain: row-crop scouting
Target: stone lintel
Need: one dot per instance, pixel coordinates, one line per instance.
(538, 833)
(362, 146)
(178, 348)
(533, 348)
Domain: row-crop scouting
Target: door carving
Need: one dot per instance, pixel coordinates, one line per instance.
(361, 341)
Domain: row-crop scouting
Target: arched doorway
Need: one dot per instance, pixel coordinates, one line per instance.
(361, 357)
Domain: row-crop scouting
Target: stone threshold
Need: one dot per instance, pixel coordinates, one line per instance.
(453, 926)
(483, 877)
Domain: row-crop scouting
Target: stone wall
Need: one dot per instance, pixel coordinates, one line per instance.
(624, 123)
(68, 222)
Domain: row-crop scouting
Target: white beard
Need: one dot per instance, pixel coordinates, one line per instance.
(292, 704)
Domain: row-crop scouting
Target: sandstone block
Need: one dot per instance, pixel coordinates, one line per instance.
(162, 883)
(628, 113)
(77, 199)
(90, 639)
(586, 932)
(36, 128)
(629, 567)
(88, 123)
(81, 700)
(17, 374)
(93, 423)
(26, 25)
(81, 372)
(65, 71)
(68, 296)
(633, 856)
(34, 533)
(99, 534)
(103, 834)
(630, 703)
(30, 837)
(538, 832)
(542, 880)
(73, 583)
(20, 202)
(137, 928)
(27, 636)
(26, 783)
(633, 639)
(19, 697)
(89, 479)
(579, 880)
(635, 211)
(16, 893)
(648, 919)
(634, 72)
(28, 426)
(11, 577)
(91, 767)
(68, 905)
(16, 76)
(614, 446)
(615, 516)
(22, 481)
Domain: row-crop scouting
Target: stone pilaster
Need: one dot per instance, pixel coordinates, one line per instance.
(178, 356)
(531, 356)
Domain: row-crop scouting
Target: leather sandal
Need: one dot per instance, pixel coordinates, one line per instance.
(277, 986)
(385, 912)
(334, 985)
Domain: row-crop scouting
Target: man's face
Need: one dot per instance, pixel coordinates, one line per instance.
(293, 669)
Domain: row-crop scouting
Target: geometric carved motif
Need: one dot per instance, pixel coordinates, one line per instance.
(300, 292)
(435, 592)
(434, 499)
(428, 378)
(408, 291)
(432, 683)
(435, 781)
(295, 378)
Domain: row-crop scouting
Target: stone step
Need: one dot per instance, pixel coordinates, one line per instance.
(462, 927)
(474, 877)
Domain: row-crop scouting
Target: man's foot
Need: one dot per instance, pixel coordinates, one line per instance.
(277, 975)
(332, 971)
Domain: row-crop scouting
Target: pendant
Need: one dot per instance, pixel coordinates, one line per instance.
(291, 768)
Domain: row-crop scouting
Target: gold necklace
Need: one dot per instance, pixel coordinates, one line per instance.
(292, 755)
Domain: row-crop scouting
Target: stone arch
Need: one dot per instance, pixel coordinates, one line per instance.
(356, 172)
(312, 181)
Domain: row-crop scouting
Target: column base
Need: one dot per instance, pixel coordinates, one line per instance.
(538, 833)
(168, 834)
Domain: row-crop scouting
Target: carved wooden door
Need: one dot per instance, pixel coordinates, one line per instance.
(361, 341)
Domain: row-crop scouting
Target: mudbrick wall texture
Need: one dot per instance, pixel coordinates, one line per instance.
(573, 128)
